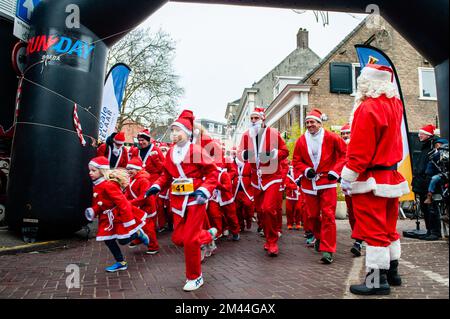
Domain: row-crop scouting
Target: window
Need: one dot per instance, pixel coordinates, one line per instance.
(356, 71)
(211, 127)
(219, 129)
(341, 78)
(427, 84)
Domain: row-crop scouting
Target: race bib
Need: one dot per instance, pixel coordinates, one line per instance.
(182, 186)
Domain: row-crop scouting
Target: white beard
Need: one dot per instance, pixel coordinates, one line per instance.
(254, 128)
(116, 151)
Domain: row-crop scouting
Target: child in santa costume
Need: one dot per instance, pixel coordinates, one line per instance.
(293, 215)
(114, 150)
(192, 176)
(264, 149)
(371, 177)
(319, 157)
(135, 193)
(118, 220)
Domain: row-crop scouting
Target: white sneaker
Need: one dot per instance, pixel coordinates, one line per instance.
(226, 233)
(210, 249)
(192, 285)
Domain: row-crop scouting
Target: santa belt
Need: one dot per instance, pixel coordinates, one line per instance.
(383, 168)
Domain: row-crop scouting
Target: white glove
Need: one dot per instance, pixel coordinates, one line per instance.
(346, 187)
(90, 214)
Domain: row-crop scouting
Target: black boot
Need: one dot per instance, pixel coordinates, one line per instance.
(356, 249)
(373, 289)
(393, 276)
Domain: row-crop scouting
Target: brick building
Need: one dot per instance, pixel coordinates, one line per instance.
(330, 86)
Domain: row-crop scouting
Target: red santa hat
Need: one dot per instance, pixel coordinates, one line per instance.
(346, 128)
(378, 73)
(315, 114)
(185, 122)
(100, 162)
(259, 111)
(428, 129)
(135, 163)
(119, 138)
(145, 134)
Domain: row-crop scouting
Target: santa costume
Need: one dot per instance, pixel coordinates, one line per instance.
(318, 159)
(115, 152)
(243, 194)
(135, 193)
(264, 149)
(117, 218)
(192, 176)
(371, 177)
(293, 212)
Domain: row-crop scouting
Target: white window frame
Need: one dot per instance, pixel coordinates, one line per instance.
(211, 127)
(421, 97)
(354, 79)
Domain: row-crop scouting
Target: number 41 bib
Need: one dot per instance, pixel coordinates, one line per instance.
(182, 186)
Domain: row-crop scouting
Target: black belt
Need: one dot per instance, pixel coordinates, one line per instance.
(383, 168)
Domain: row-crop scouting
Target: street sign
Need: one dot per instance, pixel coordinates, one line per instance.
(19, 57)
(24, 10)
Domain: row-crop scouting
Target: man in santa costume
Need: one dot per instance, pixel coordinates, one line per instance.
(264, 149)
(192, 176)
(114, 150)
(371, 177)
(135, 193)
(319, 156)
(357, 245)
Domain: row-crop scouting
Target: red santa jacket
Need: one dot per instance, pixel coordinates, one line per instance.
(243, 179)
(105, 150)
(330, 159)
(223, 194)
(375, 147)
(265, 171)
(135, 193)
(291, 186)
(193, 162)
(153, 161)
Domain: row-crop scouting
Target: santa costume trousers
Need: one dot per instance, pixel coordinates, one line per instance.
(271, 202)
(321, 219)
(229, 212)
(190, 234)
(215, 216)
(149, 229)
(244, 210)
(292, 212)
(376, 224)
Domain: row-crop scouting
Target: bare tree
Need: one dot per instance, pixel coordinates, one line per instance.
(152, 91)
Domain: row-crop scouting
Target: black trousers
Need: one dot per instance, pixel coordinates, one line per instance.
(114, 246)
(431, 216)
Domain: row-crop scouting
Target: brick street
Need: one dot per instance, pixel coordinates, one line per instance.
(238, 270)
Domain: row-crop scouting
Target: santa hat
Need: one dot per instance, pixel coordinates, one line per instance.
(378, 73)
(100, 162)
(315, 114)
(428, 129)
(164, 146)
(185, 122)
(259, 111)
(119, 138)
(145, 134)
(135, 163)
(346, 128)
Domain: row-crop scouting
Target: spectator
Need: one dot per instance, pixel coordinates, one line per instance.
(432, 170)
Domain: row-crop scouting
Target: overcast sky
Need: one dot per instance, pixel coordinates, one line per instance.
(223, 49)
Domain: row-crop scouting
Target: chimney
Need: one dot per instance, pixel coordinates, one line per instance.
(302, 39)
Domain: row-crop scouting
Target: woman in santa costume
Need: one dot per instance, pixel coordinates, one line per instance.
(118, 220)
(292, 198)
(192, 177)
(264, 149)
(114, 150)
(135, 193)
(319, 157)
(371, 177)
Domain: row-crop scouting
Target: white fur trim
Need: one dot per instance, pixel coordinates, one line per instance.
(425, 132)
(334, 174)
(271, 183)
(349, 174)
(306, 172)
(377, 257)
(309, 192)
(318, 119)
(395, 250)
(228, 202)
(381, 190)
(131, 166)
(157, 186)
(204, 191)
(275, 154)
(182, 127)
(130, 223)
(152, 215)
(94, 164)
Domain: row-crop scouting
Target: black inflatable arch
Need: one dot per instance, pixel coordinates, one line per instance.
(49, 186)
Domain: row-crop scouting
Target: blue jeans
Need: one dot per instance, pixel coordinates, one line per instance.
(434, 180)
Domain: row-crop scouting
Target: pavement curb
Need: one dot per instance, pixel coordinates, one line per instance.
(26, 248)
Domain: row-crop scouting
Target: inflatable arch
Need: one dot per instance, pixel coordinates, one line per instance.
(49, 185)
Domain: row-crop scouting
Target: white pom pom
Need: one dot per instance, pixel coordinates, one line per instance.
(95, 195)
(100, 203)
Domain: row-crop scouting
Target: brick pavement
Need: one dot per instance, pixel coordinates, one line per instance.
(240, 270)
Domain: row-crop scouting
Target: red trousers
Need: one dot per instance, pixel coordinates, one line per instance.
(321, 220)
(149, 229)
(351, 215)
(244, 210)
(293, 212)
(270, 202)
(258, 208)
(189, 233)
(376, 219)
(218, 214)
(162, 211)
